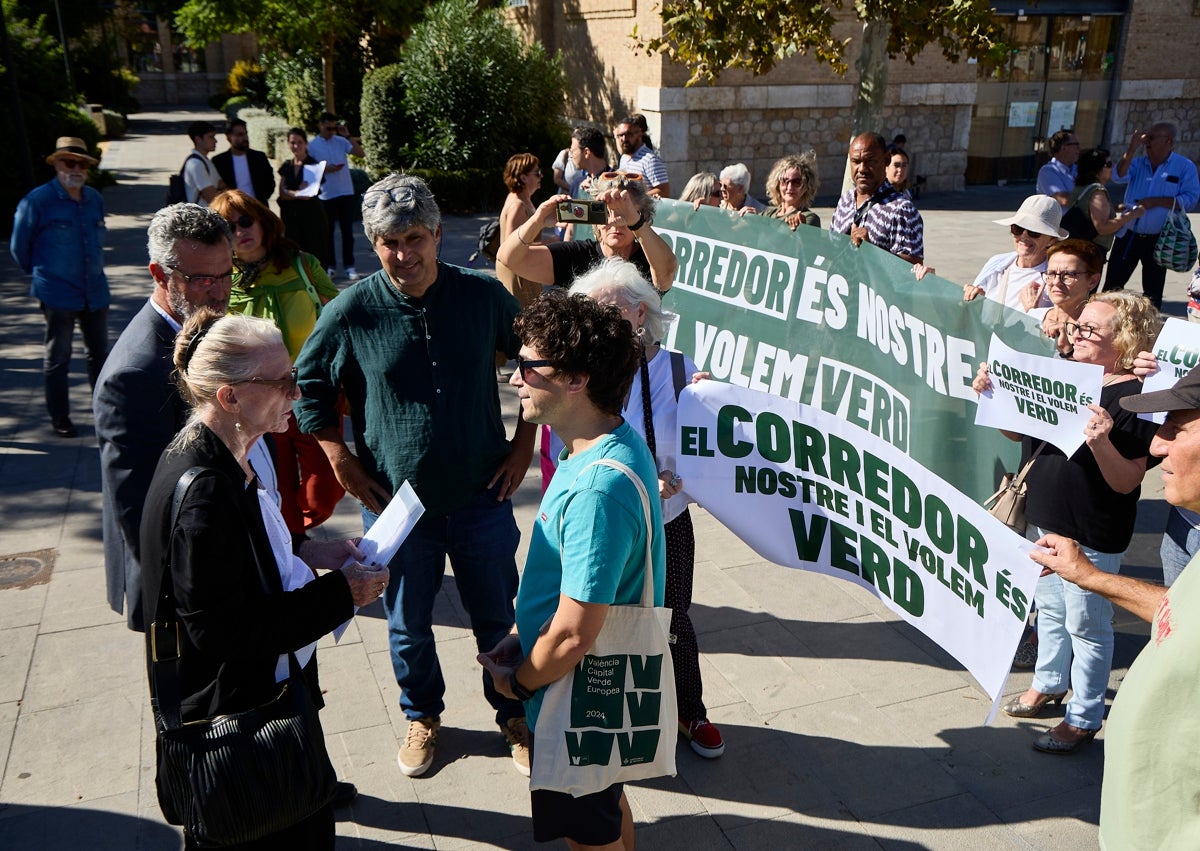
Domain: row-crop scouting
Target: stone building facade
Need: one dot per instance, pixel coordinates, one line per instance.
(1102, 68)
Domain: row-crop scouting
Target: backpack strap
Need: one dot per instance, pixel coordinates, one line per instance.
(183, 168)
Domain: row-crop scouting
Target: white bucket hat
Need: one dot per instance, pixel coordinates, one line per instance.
(1038, 214)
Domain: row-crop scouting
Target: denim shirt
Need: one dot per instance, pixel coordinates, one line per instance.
(61, 242)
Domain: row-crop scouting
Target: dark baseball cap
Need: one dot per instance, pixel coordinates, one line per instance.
(1184, 396)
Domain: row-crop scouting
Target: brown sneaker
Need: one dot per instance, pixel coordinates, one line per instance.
(516, 733)
(416, 754)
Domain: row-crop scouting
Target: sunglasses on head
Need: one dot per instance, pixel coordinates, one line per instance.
(622, 175)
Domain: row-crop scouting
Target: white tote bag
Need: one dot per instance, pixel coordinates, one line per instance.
(614, 718)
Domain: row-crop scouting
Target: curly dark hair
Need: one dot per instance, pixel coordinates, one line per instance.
(581, 337)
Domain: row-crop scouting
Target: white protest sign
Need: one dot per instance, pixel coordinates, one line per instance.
(1045, 398)
(1178, 351)
(808, 489)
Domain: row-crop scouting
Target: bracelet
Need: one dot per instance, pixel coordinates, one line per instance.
(517, 689)
(641, 221)
(522, 241)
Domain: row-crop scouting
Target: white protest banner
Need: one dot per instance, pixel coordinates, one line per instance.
(809, 489)
(1178, 351)
(1045, 398)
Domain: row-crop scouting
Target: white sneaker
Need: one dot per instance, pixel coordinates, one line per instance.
(352, 274)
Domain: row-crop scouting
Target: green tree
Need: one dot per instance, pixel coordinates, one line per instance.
(711, 36)
(475, 92)
(325, 28)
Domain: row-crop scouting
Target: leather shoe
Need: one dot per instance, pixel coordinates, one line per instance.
(1063, 739)
(64, 427)
(1019, 709)
(343, 794)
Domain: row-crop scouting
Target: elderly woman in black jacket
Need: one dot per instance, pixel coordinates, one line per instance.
(244, 602)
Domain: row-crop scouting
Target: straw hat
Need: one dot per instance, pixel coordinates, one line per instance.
(1039, 214)
(71, 146)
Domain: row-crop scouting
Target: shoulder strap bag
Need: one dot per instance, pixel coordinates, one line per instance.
(239, 777)
(1008, 503)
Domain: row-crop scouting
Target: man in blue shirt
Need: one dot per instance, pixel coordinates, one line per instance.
(1158, 180)
(58, 237)
(1057, 177)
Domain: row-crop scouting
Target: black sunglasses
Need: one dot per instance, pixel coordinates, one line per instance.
(523, 365)
(290, 383)
(244, 222)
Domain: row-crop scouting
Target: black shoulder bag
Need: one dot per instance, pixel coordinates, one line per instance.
(234, 778)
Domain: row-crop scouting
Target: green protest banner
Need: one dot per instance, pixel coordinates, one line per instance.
(807, 316)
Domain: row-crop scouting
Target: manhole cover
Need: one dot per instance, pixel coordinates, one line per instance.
(23, 570)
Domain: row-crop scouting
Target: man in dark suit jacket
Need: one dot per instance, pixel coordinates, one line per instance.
(137, 406)
(243, 168)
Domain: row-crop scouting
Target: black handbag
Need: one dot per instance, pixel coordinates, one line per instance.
(239, 777)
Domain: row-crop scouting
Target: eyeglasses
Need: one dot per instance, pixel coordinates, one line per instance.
(203, 281)
(621, 175)
(1086, 332)
(72, 163)
(791, 181)
(1068, 278)
(290, 383)
(243, 222)
(524, 365)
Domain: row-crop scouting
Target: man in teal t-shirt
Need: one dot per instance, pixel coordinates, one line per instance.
(1151, 793)
(588, 549)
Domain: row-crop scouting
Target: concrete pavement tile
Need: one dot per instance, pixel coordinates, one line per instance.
(763, 663)
(713, 537)
(757, 778)
(717, 690)
(1067, 820)
(666, 798)
(386, 808)
(80, 752)
(800, 595)
(22, 606)
(77, 665)
(950, 823)
(350, 636)
(872, 658)
(16, 655)
(995, 764)
(104, 824)
(684, 834)
(8, 725)
(348, 706)
(826, 827)
(841, 742)
(41, 532)
(78, 599)
(719, 602)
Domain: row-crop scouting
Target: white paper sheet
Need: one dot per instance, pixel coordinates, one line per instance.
(1042, 397)
(1178, 351)
(382, 541)
(312, 176)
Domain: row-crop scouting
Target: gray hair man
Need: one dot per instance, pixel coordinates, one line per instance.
(136, 404)
(735, 189)
(1148, 797)
(412, 349)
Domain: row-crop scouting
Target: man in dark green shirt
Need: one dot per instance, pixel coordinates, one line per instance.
(412, 348)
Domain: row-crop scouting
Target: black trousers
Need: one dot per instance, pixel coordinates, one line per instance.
(1127, 252)
(339, 212)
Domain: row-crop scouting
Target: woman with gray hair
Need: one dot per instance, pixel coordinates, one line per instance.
(219, 579)
(735, 190)
(791, 186)
(702, 188)
(652, 410)
(627, 235)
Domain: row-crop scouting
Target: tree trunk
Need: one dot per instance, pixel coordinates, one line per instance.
(872, 67)
(327, 71)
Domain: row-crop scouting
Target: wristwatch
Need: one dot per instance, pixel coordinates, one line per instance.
(514, 685)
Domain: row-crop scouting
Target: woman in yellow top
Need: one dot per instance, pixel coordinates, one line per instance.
(273, 279)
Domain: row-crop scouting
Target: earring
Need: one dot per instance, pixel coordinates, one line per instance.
(237, 424)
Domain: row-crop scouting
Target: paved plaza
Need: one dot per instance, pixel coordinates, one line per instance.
(845, 728)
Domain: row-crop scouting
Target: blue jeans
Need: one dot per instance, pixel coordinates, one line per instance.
(1075, 640)
(1180, 542)
(480, 539)
(60, 335)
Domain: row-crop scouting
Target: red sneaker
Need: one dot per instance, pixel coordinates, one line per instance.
(704, 737)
